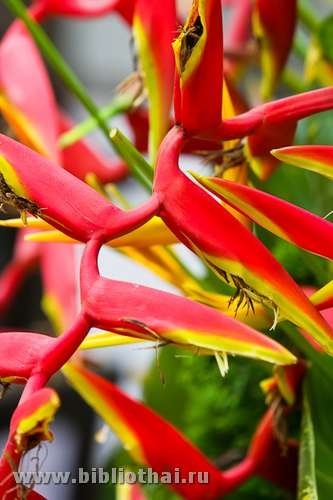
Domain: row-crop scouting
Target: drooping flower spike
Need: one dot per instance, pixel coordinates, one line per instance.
(274, 23)
(316, 158)
(289, 222)
(29, 426)
(34, 185)
(150, 314)
(232, 251)
(154, 30)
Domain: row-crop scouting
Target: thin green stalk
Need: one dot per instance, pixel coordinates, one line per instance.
(117, 106)
(131, 156)
(66, 74)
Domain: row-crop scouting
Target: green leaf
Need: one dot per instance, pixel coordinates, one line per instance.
(307, 488)
(319, 394)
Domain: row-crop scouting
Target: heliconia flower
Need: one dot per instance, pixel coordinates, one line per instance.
(81, 159)
(34, 185)
(60, 299)
(323, 298)
(27, 104)
(139, 311)
(84, 8)
(270, 19)
(289, 222)
(313, 157)
(20, 351)
(24, 258)
(198, 53)
(229, 248)
(29, 426)
(138, 428)
(154, 30)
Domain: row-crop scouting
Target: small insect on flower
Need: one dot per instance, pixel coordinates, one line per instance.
(24, 206)
(190, 37)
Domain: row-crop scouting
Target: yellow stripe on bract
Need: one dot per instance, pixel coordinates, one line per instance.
(248, 209)
(152, 233)
(284, 387)
(53, 310)
(107, 339)
(43, 413)
(260, 319)
(198, 8)
(216, 343)
(323, 294)
(12, 178)
(286, 307)
(33, 222)
(158, 115)
(305, 162)
(21, 126)
(104, 408)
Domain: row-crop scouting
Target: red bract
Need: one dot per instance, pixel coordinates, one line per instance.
(27, 102)
(284, 219)
(137, 426)
(227, 246)
(199, 59)
(34, 185)
(150, 314)
(154, 30)
(19, 354)
(316, 158)
(28, 427)
(271, 18)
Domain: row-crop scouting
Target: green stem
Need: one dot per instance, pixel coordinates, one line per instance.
(308, 16)
(66, 74)
(117, 106)
(133, 158)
